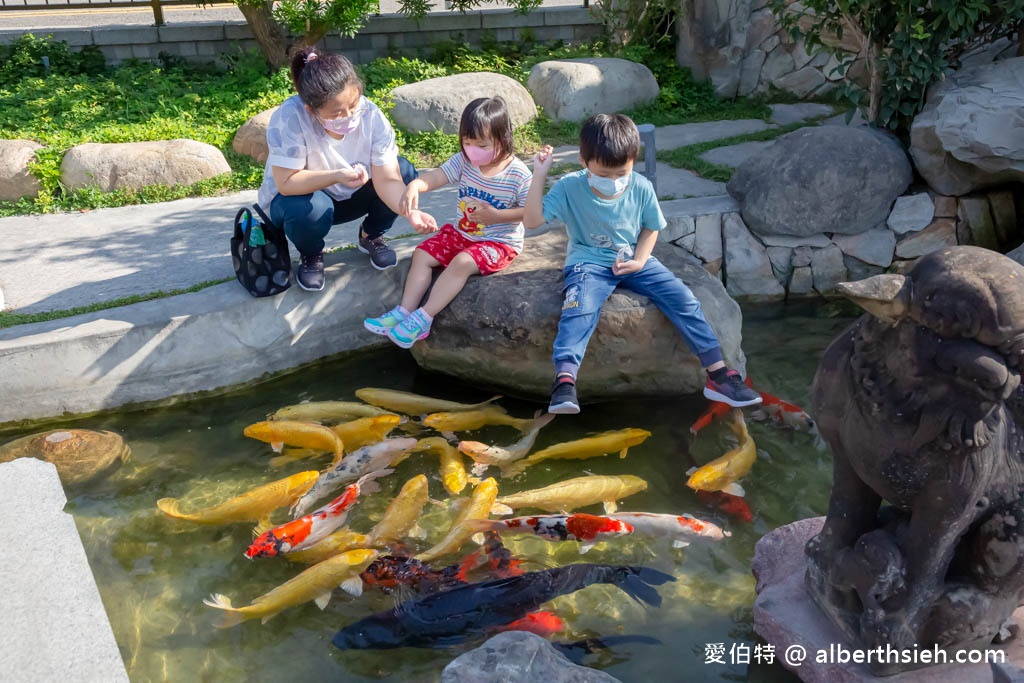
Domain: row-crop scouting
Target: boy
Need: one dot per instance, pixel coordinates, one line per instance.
(612, 218)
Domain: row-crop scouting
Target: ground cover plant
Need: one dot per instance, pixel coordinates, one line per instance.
(79, 100)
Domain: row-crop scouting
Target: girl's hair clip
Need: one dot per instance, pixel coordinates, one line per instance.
(310, 57)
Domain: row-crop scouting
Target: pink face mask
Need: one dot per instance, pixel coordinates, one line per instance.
(479, 156)
(342, 126)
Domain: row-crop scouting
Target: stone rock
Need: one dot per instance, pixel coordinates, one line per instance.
(828, 268)
(132, 165)
(490, 339)
(711, 39)
(830, 179)
(750, 72)
(677, 228)
(762, 25)
(874, 246)
(519, 657)
(911, 213)
(771, 43)
(437, 103)
(785, 114)
(802, 280)
(778, 64)
(80, 455)
(1004, 215)
(800, 83)
(573, 89)
(749, 271)
(859, 270)
(782, 262)
(969, 134)
(941, 233)
(734, 155)
(830, 69)
(974, 211)
(802, 256)
(1017, 254)
(945, 207)
(15, 179)
(251, 138)
(818, 241)
(686, 242)
(708, 246)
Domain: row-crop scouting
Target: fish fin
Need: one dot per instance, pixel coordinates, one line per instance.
(438, 503)
(281, 460)
(323, 600)
(417, 532)
(623, 452)
(478, 469)
(353, 586)
(541, 419)
(679, 544)
(367, 484)
(268, 618)
(233, 617)
(639, 582)
(475, 481)
(734, 489)
(478, 538)
(690, 471)
(457, 504)
(500, 509)
(610, 506)
(586, 545)
(171, 508)
(277, 446)
(449, 436)
(262, 526)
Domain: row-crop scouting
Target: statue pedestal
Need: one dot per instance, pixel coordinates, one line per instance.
(786, 617)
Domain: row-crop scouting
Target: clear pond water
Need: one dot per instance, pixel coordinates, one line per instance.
(153, 572)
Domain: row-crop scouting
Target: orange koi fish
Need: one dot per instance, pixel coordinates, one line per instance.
(306, 531)
(716, 409)
(543, 624)
(587, 529)
(783, 412)
(728, 503)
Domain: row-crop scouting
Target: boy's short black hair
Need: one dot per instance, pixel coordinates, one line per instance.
(609, 139)
(488, 118)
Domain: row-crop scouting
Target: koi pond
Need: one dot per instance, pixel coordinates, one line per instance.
(153, 572)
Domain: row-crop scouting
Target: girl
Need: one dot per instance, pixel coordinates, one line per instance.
(333, 159)
(493, 185)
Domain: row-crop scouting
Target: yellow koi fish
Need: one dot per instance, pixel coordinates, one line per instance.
(478, 507)
(327, 411)
(474, 419)
(302, 434)
(485, 455)
(364, 431)
(316, 583)
(721, 473)
(402, 515)
(254, 506)
(453, 470)
(591, 447)
(335, 544)
(574, 493)
(414, 404)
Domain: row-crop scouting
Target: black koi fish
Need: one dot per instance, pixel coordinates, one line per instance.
(447, 618)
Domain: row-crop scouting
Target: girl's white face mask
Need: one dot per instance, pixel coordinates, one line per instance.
(609, 187)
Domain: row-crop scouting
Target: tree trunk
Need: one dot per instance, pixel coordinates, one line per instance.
(875, 92)
(269, 35)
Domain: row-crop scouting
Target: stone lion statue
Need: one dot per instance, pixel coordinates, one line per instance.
(921, 403)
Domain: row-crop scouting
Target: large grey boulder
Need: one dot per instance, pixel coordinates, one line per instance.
(1017, 254)
(437, 103)
(131, 165)
(499, 331)
(827, 179)
(970, 133)
(519, 657)
(251, 138)
(573, 89)
(15, 180)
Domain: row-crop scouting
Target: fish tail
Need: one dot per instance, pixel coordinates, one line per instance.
(367, 484)
(540, 421)
(639, 582)
(172, 508)
(233, 616)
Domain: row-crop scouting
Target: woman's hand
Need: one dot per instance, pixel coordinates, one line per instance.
(422, 222)
(482, 212)
(354, 177)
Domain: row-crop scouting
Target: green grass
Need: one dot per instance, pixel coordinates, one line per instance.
(689, 157)
(10, 319)
(81, 101)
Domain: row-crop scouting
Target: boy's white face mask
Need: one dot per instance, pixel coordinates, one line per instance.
(609, 187)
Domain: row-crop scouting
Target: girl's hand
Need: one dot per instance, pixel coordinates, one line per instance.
(410, 200)
(543, 160)
(354, 177)
(421, 222)
(482, 212)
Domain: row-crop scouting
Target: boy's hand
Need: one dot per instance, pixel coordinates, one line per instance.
(421, 222)
(482, 212)
(410, 200)
(543, 160)
(627, 267)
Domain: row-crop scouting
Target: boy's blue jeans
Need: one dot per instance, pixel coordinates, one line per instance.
(307, 218)
(588, 285)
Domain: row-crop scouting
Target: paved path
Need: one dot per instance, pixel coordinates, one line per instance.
(61, 261)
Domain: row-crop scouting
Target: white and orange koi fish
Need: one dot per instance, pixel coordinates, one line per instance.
(372, 458)
(587, 529)
(306, 531)
(680, 528)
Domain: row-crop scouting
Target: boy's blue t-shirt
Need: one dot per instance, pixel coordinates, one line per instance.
(598, 227)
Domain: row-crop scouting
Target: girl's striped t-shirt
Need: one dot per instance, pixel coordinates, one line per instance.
(506, 190)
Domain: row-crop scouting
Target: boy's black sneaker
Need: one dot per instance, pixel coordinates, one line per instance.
(311, 272)
(563, 399)
(382, 256)
(731, 390)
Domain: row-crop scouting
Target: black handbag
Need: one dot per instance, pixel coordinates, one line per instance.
(259, 252)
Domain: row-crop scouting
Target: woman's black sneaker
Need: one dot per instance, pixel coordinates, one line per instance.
(563, 399)
(311, 272)
(382, 256)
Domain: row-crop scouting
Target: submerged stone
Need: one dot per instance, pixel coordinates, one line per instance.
(80, 455)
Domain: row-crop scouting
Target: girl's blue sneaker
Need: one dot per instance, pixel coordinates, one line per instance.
(414, 328)
(385, 322)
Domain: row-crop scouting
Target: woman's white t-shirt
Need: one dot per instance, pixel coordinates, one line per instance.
(297, 140)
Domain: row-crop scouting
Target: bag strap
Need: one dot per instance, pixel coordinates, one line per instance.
(264, 218)
(240, 220)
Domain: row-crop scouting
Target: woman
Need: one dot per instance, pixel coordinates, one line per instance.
(333, 159)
